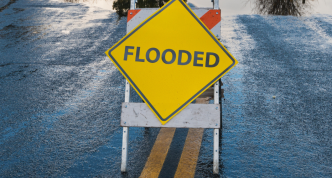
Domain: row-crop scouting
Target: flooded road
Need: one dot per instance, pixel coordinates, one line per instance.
(289, 58)
(60, 96)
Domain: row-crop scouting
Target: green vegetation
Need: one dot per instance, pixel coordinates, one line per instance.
(281, 7)
(121, 7)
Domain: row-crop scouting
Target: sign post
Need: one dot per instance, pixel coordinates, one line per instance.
(170, 59)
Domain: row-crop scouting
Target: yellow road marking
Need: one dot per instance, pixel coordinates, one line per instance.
(189, 156)
(158, 153)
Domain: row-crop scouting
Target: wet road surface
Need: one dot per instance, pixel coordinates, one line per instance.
(289, 136)
(61, 97)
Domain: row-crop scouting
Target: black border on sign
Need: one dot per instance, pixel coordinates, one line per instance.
(204, 88)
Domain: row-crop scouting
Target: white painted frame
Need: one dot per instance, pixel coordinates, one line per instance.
(193, 116)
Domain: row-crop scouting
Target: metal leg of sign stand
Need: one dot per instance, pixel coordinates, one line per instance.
(216, 131)
(221, 96)
(132, 4)
(124, 157)
(125, 135)
(216, 134)
(216, 151)
(125, 132)
(215, 4)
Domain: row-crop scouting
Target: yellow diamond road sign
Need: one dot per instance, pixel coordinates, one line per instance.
(170, 59)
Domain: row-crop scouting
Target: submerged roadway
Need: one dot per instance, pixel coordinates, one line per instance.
(60, 97)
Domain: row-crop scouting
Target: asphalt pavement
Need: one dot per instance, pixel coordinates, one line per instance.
(60, 96)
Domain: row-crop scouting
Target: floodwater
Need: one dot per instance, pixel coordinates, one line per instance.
(60, 96)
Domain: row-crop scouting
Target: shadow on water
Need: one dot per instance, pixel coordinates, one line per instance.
(281, 7)
(7, 5)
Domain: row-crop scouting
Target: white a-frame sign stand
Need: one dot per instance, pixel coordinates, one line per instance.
(193, 116)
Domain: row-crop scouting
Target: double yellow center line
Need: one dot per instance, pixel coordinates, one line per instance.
(187, 164)
(158, 153)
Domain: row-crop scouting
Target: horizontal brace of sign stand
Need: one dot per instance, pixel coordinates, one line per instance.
(193, 116)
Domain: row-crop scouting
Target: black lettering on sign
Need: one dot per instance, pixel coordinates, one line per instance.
(196, 58)
(180, 57)
(127, 52)
(207, 64)
(137, 55)
(148, 55)
(184, 57)
(163, 56)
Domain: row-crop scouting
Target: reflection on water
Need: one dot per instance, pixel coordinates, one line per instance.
(282, 7)
(102, 4)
